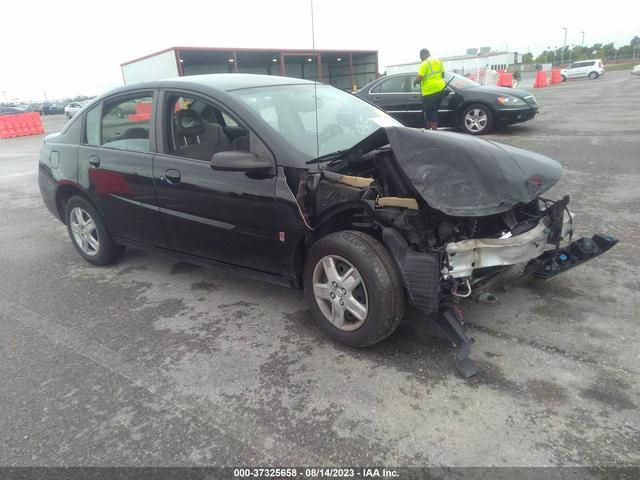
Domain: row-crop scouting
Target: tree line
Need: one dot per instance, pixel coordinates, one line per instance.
(572, 53)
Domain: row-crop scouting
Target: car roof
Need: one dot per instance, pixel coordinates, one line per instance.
(226, 82)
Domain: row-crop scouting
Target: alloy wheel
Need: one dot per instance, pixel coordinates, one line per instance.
(84, 231)
(475, 120)
(340, 293)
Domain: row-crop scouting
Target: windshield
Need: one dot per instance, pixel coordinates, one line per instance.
(460, 82)
(342, 119)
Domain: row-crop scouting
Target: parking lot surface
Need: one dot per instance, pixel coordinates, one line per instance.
(153, 362)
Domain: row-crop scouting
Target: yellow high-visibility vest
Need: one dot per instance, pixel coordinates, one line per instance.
(431, 70)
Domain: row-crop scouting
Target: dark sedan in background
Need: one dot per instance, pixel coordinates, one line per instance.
(11, 110)
(474, 108)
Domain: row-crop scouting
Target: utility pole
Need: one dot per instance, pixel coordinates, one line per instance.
(582, 39)
(564, 45)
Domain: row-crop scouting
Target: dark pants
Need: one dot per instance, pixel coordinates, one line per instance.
(430, 105)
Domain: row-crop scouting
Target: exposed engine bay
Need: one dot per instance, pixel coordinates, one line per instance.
(454, 214)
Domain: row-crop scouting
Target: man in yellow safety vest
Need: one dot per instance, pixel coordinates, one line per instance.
(431, 80)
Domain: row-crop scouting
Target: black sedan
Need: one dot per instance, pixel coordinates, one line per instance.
(474, 108)
(303, 184)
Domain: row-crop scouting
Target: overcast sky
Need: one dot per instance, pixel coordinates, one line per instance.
(69, 48)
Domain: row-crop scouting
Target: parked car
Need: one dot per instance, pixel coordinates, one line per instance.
(232, 171)
(11, 110)
(635, 70)
(583, 69)
(52, 109)
(469, 106)
(73, 108)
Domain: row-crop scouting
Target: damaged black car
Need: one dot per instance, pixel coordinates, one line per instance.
(304, 185)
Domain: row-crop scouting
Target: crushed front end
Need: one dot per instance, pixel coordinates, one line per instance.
(455, 213)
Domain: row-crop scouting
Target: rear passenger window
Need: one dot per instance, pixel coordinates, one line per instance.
(125, 124)
(390, 85)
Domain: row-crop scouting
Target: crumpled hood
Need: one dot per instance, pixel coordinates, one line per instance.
(461, 175)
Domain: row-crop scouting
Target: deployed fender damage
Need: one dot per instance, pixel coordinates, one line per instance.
(454, 211)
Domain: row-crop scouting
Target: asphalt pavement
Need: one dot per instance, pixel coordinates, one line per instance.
(158, 362)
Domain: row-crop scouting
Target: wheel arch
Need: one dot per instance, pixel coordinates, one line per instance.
(334, 219)
(67, 190)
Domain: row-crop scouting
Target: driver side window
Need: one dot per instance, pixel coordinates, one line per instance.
(198, 129)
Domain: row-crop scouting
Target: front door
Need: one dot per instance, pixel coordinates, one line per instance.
(115, 164)
(227, 216)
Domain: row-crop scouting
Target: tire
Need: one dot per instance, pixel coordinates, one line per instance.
(564, 79)
(593, 75)
(380, 291)
(482, 127)
(99, 248)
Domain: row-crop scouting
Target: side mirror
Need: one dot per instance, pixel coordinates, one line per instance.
(239, 161)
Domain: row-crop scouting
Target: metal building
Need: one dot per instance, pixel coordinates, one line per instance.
(467, 64)
(345, 69)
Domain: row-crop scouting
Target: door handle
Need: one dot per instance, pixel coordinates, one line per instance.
(94, 160)
(171, 176)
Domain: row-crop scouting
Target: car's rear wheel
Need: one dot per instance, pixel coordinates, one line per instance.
(593, 75)
(89, 234)
(353, 288)
(477, 119)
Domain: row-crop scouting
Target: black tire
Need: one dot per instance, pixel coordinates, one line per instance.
(593, 75)
(386, 298)
(487, 111)
(108, 251)
(564, 79)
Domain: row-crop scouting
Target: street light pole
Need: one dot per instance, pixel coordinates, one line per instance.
(582, 39)
(564, 45)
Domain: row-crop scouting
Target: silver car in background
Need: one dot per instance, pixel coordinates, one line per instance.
(583, 69)
(73, 108)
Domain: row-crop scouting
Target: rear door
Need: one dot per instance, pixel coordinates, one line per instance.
(226, 216)
(394, 95)
(115, 164)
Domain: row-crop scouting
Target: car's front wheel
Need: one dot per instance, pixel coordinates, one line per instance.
(477, 119)
(353, 288)
(593, 75)
(89, 234)
(564, 78)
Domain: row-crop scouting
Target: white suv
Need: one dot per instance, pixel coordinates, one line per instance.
(582, 69)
